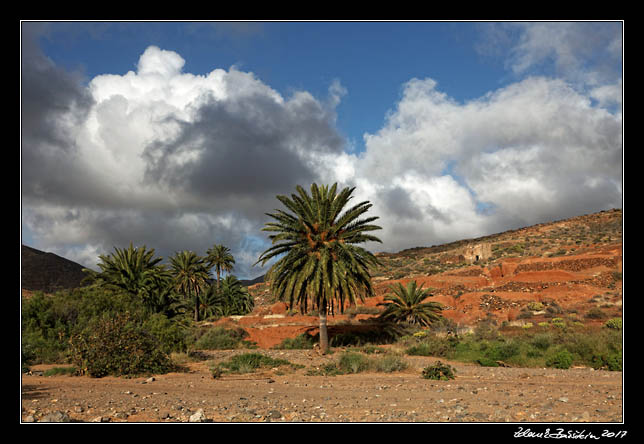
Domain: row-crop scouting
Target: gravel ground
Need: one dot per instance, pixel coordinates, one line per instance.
(478, 394)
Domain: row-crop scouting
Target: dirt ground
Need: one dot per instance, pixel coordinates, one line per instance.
(478, 394)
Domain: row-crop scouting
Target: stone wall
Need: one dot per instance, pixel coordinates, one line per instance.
(477, 252)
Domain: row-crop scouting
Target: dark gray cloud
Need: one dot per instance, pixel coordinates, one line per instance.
(53, 104)
(241, 153)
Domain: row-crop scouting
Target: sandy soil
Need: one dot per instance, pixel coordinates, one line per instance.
(478, 394)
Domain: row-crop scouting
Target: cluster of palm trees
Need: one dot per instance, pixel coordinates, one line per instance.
(318, 264)
(172, 288)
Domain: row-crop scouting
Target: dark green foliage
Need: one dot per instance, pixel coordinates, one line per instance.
(249, 362)
(170, 335)
(561, 360)
(315, 243)
(220, 338)
(608, 361)
(190, 274)
(432, 346)
(49, 321)
(117, 345)
(220, 258)
(502, 351)
(406, 305)
(135, 271)
(487, 362)
(353, 362)
(439, 372)
(230, 298)
(303, 341)
(378, 333)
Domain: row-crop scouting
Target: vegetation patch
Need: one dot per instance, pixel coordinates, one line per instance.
(117, 346)
(248, 363)
(221, 338)
(439, 372)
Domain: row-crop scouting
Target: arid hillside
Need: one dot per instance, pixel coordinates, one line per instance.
(569, 270)
(48, 272)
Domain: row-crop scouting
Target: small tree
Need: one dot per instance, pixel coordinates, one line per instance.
(406, 305)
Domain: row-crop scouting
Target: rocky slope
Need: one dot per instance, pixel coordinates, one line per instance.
(569, 270)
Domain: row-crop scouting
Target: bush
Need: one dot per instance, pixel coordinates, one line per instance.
(561, 360)
(487, 362)
(502, 351)
(611, 361)
(117, 345)
(439, 372)
(535, 306)
(247, 363)
(431, 346)
(221, 338)
(303, 341)
(615, 324)
(351, 362)
(171, 336)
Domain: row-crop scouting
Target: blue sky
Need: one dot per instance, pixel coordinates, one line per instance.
(179, 135)
(372, 60)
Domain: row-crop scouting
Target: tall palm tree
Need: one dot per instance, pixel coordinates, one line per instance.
(318, 256)
(219, 257)
(190, 276)
(406, 305)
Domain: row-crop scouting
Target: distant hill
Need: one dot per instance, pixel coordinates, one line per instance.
(48, 272)
(249, 282)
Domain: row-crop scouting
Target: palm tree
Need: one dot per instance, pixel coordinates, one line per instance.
(238, 300)
(406, 305)
(134, 271)
(219, 257)
(318, 258)
(190, 276)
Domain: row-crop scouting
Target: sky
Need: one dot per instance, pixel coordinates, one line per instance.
(180, 135)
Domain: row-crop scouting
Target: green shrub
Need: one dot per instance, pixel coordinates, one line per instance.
(431, 346)
(117, 345)
(609, 361)
(303, 341)
(220, 338)
(171, 336)
(536, 306)
(615, 324)
(502, 351)
(487, 362)
(439, 371)
(248, 363)
(351, 362)
(561, 360)
(61, 371)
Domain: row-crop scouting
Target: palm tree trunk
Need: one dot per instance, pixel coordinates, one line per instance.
(324, 333)
(196, 308)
